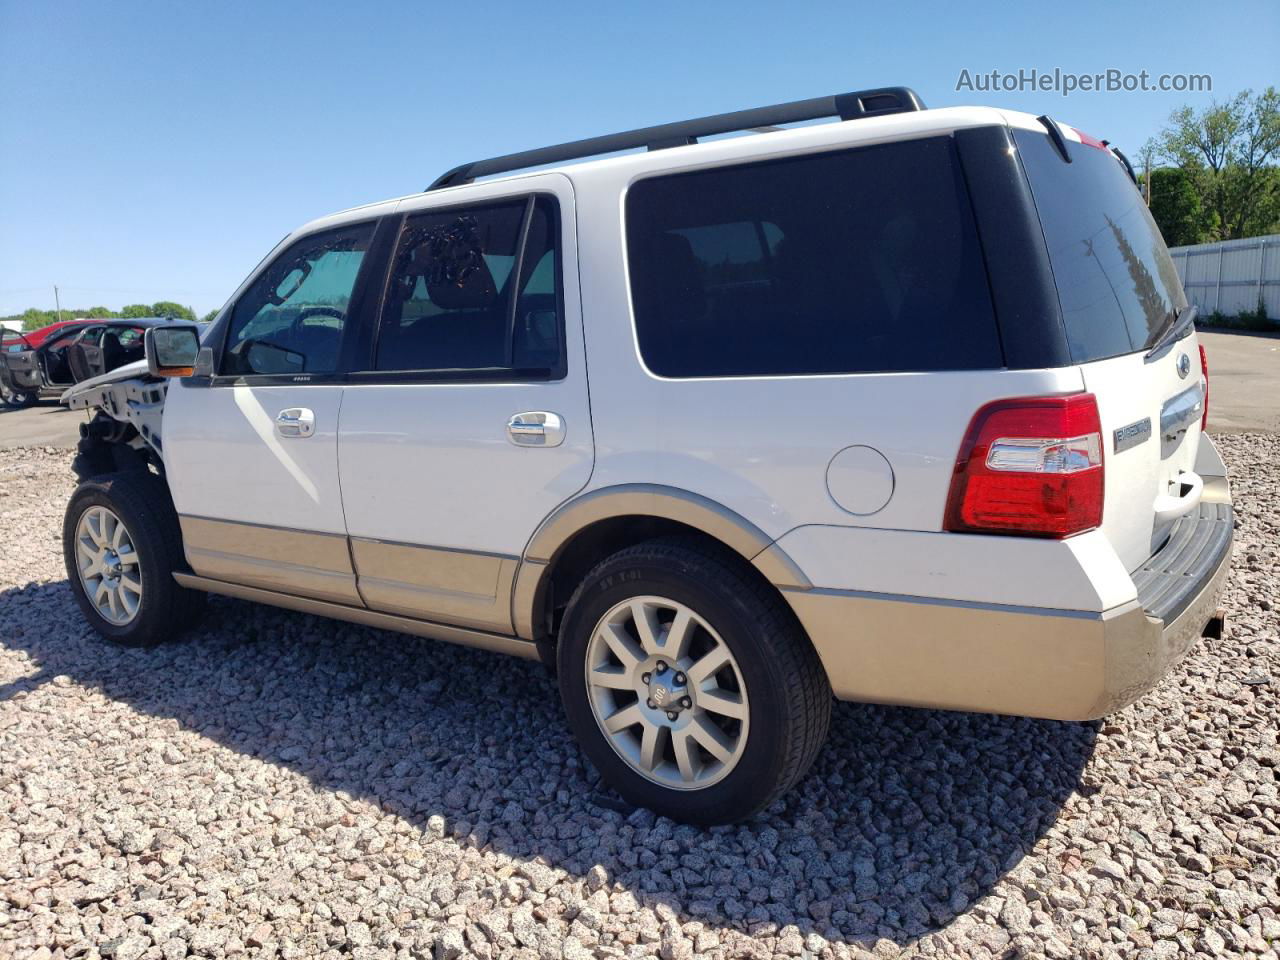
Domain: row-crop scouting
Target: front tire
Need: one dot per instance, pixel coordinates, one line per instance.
(689, 683)
(121, 544)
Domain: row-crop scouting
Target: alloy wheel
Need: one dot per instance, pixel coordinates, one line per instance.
(667, 693)
(110, 570)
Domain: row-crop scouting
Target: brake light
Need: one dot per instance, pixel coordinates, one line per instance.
(1089, 141)
(1030, 466)
(1204, 372)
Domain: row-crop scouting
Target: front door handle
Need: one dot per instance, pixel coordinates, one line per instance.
(296, 422)
(536, 428)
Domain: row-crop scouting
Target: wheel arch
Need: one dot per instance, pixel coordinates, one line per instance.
(584, 530)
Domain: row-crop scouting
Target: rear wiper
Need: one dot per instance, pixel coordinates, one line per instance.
(1181, 320)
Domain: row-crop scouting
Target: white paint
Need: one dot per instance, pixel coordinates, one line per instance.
(1129, 389)
(430, 464)
(1079, 573)
(225, 461)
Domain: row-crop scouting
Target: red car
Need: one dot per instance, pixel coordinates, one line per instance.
(34, 338)
(43, 363)
(21, 380)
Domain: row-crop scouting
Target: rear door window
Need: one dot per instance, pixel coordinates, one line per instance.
(454, 302)
(1115, 279)
(844, 262)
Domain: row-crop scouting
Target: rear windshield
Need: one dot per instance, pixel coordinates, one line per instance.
(843, 262)
(1116, 282)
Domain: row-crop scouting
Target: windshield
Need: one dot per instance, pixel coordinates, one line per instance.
(1116, 282)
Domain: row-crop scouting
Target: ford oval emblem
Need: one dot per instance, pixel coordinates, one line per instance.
(1184, 366)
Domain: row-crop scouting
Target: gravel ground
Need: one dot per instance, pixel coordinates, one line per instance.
(279, 785)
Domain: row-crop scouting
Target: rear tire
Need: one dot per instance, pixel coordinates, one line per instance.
(121, 544)
(662, 724)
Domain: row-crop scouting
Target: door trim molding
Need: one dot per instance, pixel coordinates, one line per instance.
(468, 588)
(479, 639)
(273, 558)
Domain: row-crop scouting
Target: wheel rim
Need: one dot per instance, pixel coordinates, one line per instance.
(110, 571)
(667, 693)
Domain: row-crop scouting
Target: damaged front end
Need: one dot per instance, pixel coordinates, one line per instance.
(124, 432)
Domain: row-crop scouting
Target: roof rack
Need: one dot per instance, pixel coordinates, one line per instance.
(846, 106)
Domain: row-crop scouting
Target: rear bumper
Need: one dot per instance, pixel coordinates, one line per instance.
(1027, 661)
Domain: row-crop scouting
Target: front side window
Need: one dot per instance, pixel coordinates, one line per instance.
(474, 288)
(291, 319)
(854, 261)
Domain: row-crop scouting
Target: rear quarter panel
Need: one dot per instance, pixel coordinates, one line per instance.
(761, 445)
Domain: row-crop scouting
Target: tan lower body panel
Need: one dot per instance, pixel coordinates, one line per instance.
(369, 618)
(990, 659)
(449, 586)
(314, 565)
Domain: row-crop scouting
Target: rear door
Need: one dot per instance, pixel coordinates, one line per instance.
(469, 422)
(1119, 291)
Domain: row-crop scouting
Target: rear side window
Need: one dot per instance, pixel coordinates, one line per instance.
(1115, 279)
(847, 262)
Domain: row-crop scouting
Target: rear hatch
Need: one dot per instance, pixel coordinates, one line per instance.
(1120, 295)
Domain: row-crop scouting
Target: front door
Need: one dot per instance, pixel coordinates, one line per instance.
(252, 451)
(471, 422)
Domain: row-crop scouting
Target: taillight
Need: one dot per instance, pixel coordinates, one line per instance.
(1030, 466)
(1204, 372)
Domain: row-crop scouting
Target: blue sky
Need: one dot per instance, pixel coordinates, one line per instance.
(157, 150)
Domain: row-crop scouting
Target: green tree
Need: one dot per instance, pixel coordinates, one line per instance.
(1229, 150)
(167, 308)
(208, 317)
(34, 319)
(1176, 207)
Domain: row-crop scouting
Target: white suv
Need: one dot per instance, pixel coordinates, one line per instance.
(905, 408)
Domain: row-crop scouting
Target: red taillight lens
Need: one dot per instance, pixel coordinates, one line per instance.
(1030, 466)
(1204, 372)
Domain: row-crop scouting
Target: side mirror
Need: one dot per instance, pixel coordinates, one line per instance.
(171, 349)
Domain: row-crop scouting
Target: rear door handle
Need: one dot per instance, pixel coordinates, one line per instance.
(296, 422)
(536, 428)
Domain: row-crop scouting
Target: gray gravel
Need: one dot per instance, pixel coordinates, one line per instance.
(279, 785)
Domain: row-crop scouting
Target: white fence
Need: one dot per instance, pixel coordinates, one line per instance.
(1231, 276)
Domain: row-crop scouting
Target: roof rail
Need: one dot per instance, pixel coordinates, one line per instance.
(846, 106)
